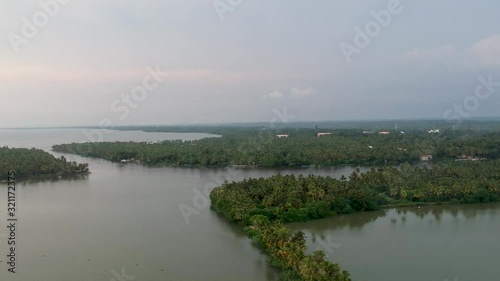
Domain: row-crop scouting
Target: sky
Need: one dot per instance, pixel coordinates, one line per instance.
(111, 62)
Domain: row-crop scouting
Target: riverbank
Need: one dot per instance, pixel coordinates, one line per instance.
(303, 148)
(263, 205)
(31, 163)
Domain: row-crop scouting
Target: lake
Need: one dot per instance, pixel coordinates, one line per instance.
(123, 222)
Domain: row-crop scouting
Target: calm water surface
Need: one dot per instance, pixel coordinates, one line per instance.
(126, 219)
(459, 242)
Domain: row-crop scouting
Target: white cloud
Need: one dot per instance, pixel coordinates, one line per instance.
(301, 93)
(274, 95)
(486, 52)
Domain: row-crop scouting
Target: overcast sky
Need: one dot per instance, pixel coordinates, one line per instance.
(238, 60)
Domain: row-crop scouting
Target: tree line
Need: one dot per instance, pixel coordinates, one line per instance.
(35, 162)
(287, 250)
(291, 198)
(262, 205)
(252, 147)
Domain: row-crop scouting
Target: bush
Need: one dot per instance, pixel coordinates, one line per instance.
(348, 210)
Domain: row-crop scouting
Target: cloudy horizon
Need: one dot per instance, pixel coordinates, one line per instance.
(198, 62)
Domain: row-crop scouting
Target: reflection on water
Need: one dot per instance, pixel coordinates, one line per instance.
(49, 179)
(81, 228)
(427, 243)
(355, 222)
(53, 178)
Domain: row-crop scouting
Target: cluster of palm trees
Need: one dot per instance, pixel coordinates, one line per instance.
(292, 198)
(302, 148)
(287, 250)
(264, 204)
(36, 162)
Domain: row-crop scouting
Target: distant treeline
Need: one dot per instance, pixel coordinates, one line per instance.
(263, 205)
(35, 162)
(491, 124)
(249, 146)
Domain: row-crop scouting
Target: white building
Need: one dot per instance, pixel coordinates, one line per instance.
(323, 134)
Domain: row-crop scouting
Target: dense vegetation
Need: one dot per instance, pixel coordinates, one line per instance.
(36, 162)
(287, 251)
(249, 146)
(292, 198)
(263, 204)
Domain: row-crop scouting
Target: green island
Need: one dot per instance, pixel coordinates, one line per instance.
(464, 167)
(263, 205)
(27, 163)
(302, 147)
